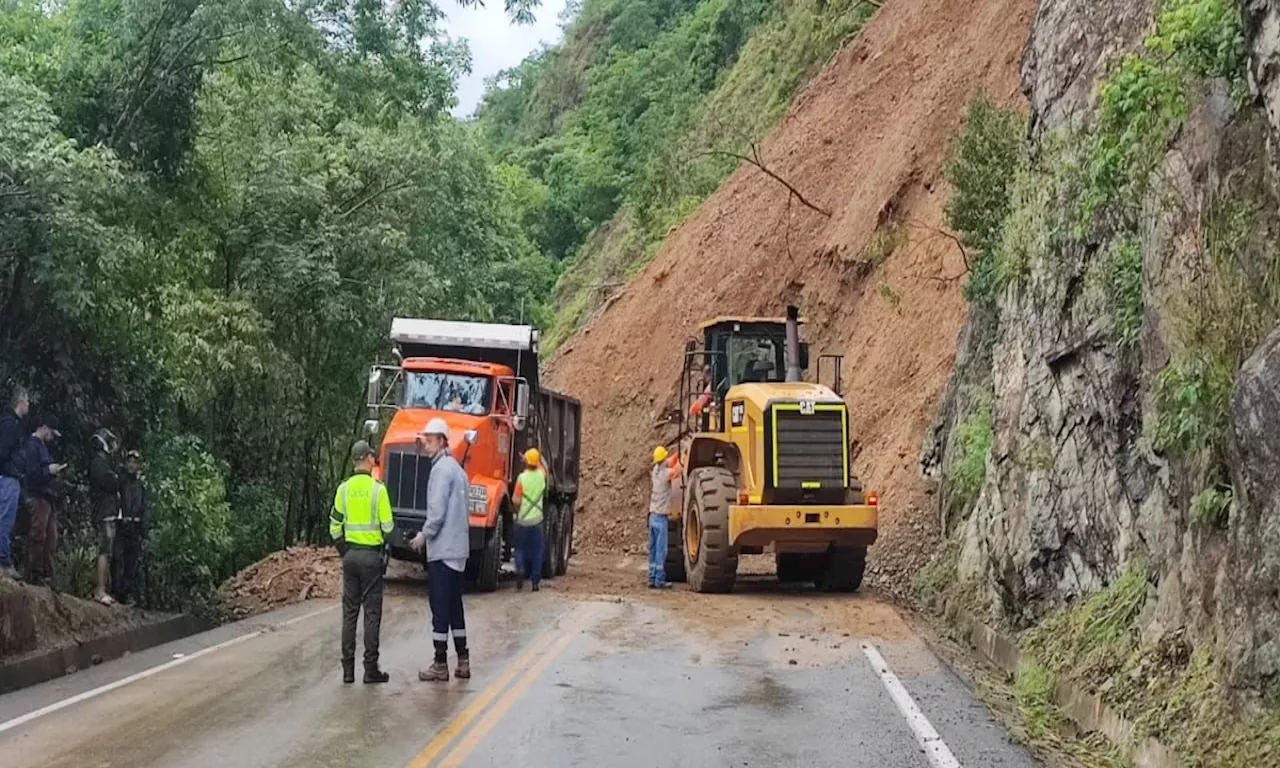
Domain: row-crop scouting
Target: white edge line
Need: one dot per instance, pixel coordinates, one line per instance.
(934, 748)
(63, 704)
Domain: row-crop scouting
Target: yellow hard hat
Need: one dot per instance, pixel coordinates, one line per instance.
(659, 454)
(532, 457)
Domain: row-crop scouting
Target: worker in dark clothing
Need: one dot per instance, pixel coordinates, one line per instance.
(42, 536)
(359, 525)
(12, 471)
(104, 497)
(131, 531)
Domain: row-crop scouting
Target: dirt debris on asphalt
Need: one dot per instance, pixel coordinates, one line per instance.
(289, 576)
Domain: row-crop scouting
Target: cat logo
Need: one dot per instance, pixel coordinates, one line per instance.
(738, 414)
(806, 407)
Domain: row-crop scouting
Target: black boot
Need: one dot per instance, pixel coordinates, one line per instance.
(375, 675)
(348, 671)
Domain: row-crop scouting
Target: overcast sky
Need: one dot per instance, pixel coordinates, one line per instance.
(497, 44)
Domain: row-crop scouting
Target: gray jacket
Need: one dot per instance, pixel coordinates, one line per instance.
(447, 527)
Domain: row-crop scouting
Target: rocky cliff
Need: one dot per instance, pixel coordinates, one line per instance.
(1126, 359)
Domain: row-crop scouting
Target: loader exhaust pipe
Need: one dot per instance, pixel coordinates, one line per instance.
(793, 344)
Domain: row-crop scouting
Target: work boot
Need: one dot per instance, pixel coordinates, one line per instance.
(348, 671)
(374, 675)
(438, 672)
(463, 671)
(536, 586)
(519, 583)
(662, 585)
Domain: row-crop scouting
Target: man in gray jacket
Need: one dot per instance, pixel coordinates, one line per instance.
(447, 540)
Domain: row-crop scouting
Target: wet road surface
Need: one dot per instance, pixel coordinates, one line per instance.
(564, 677)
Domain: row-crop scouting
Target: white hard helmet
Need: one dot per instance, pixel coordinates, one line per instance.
(437, 426)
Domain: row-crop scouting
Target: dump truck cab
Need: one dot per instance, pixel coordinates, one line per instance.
(482, 380)
(767, 461)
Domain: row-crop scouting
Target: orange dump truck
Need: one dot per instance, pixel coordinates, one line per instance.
(482, 379)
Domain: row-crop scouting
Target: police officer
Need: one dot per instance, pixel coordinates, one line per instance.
(359, 525)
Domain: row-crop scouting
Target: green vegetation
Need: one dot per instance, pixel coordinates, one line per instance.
(620, 132)
(983, 163)
(209, 212)
(973, 438)
(1091, 642)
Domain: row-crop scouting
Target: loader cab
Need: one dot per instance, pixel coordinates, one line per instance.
(737, 350)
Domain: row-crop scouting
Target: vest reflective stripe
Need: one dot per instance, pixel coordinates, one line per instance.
(533, 484)
(361, 529)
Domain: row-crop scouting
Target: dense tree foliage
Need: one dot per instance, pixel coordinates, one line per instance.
(209, 212)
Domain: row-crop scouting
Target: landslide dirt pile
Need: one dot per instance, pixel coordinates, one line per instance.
(877, 280)
(39, 619)
(289, 576)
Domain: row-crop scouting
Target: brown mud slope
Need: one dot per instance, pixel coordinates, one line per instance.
(290, 576)
(38, 619)
(866, 141)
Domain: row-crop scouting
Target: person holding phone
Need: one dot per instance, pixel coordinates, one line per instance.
(42, 537)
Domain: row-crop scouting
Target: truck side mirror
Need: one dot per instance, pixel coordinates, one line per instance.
(804, 355)
(374, 394)
(522, 405)
(371, 427)
(471, 436)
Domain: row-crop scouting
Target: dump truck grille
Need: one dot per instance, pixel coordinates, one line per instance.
(809, 448)
(406, 475)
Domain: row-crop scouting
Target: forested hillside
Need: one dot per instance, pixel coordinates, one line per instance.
(209, 211)
(611, 139)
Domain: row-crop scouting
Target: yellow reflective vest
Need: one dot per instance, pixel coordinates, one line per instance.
(361, 512)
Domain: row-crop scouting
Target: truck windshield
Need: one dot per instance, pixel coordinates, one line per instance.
(459, 392)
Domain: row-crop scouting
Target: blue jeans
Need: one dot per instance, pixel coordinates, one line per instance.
(10, 490)
(529, 543)
(657, 549)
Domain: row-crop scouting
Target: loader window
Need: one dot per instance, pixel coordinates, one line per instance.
(472, 395)
(756, 359)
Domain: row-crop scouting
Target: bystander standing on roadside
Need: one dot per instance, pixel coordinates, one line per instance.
(11, 475)
(42, 529)
(131, 532)
(104, 495)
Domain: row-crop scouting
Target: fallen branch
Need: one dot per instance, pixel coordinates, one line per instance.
(755, 160)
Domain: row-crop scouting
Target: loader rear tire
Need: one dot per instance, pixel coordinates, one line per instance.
(711, 562)
(843, 571)
(674, 565)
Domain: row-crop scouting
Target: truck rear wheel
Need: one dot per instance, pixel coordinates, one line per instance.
(491, 558)
(711, 563)
(566, 538)
(843, 571)
(550, 540)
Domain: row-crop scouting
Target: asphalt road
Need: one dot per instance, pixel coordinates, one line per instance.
(565, 677)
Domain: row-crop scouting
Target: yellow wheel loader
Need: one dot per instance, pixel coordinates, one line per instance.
(766, 461)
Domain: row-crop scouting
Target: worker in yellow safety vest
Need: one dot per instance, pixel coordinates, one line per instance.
(529, 497)
(359, 525)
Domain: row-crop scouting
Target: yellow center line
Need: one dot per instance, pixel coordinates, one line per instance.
(489, 693)
(494, 716)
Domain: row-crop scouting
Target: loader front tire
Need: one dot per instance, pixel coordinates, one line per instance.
(843, 570)
(711, 562)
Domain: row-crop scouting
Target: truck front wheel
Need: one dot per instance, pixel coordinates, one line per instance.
(491, 558)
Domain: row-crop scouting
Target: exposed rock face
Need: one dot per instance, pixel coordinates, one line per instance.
(1073, 495)
(1071, 46)
(1254, 566)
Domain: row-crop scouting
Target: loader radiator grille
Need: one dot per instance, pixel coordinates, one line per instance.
(810, 447)
(406, 476)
